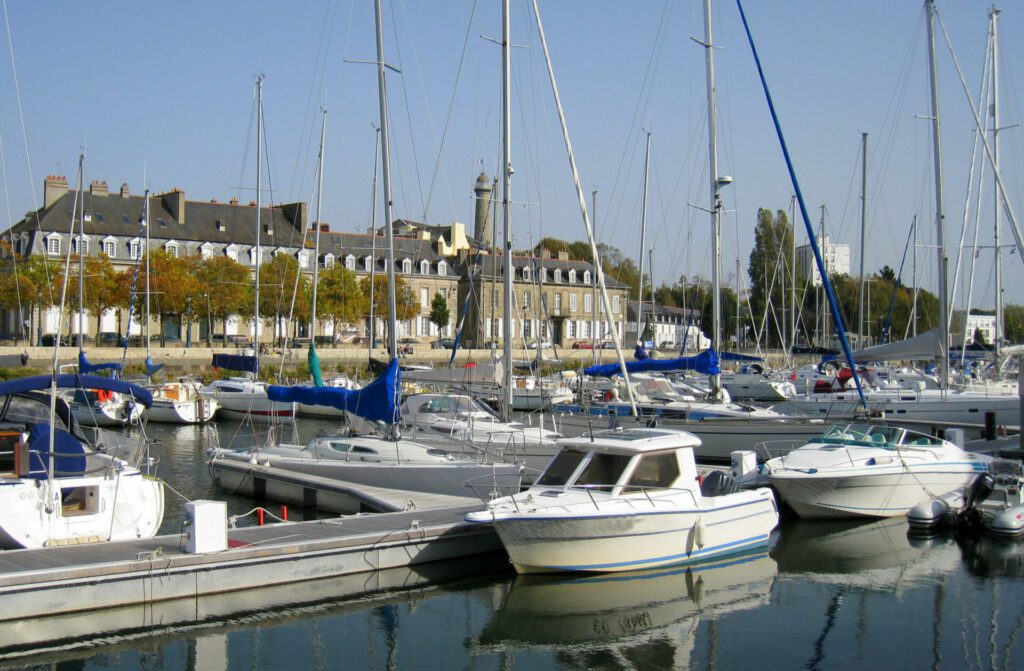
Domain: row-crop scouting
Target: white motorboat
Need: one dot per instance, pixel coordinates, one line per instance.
(77, 496)
(859, 470)
(993, 503)
(181, 402)
(100, 407)
(756, 387)
(465, 419)
(622, 500)
(241, 398)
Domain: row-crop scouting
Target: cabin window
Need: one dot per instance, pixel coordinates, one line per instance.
(654, 471)
(340, 447)
(603, 471)
(363, 450)
(561, 468)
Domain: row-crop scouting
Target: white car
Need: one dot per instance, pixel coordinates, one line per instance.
(539, 344)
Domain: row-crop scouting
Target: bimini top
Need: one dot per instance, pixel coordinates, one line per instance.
(74, 381)
(634, 440)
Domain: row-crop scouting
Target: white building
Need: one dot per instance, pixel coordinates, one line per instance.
(836, 256)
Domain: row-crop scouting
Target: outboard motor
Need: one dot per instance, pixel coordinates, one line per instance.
(970, 520)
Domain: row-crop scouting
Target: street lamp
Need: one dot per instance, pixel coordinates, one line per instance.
(188, 321)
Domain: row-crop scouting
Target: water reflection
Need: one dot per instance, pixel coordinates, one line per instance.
(648, 618)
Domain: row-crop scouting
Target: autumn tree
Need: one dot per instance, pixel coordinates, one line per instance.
(101, 290)
(341, 298)
(406, 305)
(277, 287)
(223, 285)
(17, 286)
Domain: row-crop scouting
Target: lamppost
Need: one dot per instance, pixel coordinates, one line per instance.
(209, 321)
(188, 321)
(39, 322)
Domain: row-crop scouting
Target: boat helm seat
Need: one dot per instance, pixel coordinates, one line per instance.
(717, 483)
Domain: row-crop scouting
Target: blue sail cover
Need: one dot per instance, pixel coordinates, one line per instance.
(68, 453)
(706, 363)
(375, 401)
(246, 364)
(153, 368)
(72, 381)
(85, 367)
(735, 356)
(640, 354)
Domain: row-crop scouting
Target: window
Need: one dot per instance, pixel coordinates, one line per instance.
(53, 246)
(424, 326)
(424, 267)
(424, 297)
(560, 470)
(526, 273)
(616, 304)
(655, 471)
(586, 330)
(558, 275)
(526, 300)
(303, 260)
(527, 332)
(350, 262)
(110, 248)
(603, 470)
(543, 274)
(328, 261)
(572, 328)
(81, 246)
(573, 302)
(406, 266)
(442, 268)
(206, 250)
(172, 249)
(368, 264)
(586, 277)
(231, 252)
(135, 250)
(558, 303)
(588, 302)
(572, 277)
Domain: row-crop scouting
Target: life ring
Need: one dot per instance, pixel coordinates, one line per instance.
(608, 396)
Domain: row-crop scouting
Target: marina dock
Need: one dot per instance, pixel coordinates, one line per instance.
(155, 582)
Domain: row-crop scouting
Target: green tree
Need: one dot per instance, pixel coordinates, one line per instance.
(341, 298)
(773, 239)
(406, 306)
(223, 286)
(439, 313)
(277, 287)
(17, 288)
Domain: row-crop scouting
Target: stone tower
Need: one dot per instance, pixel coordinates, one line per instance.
(482, 229)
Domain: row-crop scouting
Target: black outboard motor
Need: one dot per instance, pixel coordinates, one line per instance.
(969, 519)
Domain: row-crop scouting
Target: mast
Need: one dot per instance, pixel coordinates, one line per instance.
(994, 20)
(593, 281)
(913, 308)
(506, 195)
(373, 245)
(716, 198)
(316, 244)
(385, 162)
(863, 228)
(643, 243)
(81, 256)
(939, 213)
(257, 256)
(792, 272)
(146, 196)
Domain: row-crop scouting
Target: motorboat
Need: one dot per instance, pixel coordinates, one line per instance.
(993, 502)
(863, 470)
(463, 418)
(627, 499)
(181, 402)
(71, 494)
(242, 398)
(101, 407)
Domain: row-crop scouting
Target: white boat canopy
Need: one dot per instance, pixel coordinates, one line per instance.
(925, 346)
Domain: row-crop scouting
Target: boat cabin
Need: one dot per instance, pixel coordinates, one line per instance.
(622, 461)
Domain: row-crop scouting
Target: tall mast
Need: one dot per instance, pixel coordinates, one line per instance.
(716, 196)
(506, 195)
(994, 20)
(81, 256)
(373, 244)
(593, 300)
(939, 212)
(259, 206)
(913, 308)
(316, 244)
(148, 320)
(863, 228)
(643, 244)
(792, 275)
(385, 162)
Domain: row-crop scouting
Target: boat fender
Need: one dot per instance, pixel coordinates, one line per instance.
(699, 533)
(608, 396)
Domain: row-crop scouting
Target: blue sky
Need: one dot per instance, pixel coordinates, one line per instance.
(166, 90)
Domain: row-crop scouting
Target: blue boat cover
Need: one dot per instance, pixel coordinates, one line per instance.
(73, 381)
(736, 356)
(640, 354)
(247, 364)
(68, 453)
(706, 362)
(376, 401)
(153, 368)
(85, 367)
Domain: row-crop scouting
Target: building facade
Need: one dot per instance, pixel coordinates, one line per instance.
(671, 327)
(836, 256)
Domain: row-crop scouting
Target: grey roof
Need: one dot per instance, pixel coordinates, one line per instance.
(492, 266)
(361, 245)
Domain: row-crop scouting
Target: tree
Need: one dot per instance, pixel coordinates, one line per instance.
(773, 239)
(406, 306)
(101, 287)
(277, 287)
(439, 313)
(341, 298)
(223, 286)
(17, 289)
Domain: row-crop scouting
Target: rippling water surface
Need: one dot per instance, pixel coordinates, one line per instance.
(824, 596)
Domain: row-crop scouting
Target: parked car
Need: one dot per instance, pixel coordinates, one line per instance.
(325, 340)
(139, 341)
(607, 344)
(8, 339)
(583, 344)
(361, 340)
(539, 344)
(408, 341)
(239, 341)
(443, 343)
(86, 339)
(109, 338)
(491, 344)
(169, 341)
(49, 338)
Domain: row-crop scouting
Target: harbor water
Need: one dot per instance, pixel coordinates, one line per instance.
(824, 595)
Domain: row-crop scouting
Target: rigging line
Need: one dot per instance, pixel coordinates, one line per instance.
(245, 145)
(14, 256)
(451, 112)
(306, 132)
(408, 114)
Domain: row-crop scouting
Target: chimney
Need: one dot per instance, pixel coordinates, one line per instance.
(54, 189)
(325, 228)
(233, 201)
(296, 214)
(124, 189)
(563, 256)
(174, 202)
(99, 188)
(545, 253)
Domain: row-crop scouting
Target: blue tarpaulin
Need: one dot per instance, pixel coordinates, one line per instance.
(70, 381)
(376, 401)
(85, 367)
(734, 356)
(706, 362)
(247, 364)
(640, 354)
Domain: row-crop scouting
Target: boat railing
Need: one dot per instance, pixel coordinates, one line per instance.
(628, 489)
(770, 449)
(495, 485)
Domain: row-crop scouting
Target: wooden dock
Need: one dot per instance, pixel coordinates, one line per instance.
(65, 593)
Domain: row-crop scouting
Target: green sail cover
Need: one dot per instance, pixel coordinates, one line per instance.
(314, 365)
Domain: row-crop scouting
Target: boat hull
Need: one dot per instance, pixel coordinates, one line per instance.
(253, 407)
(195, 411)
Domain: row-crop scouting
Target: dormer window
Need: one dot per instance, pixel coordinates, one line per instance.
(586, 277)
(424, 267)
(543, 274)
(220, 226)
(406, 266)
(572, 276)
(255, 256)
(526, 273)
(135, 249)
(328, 261)
(206, 250)
(172, 249)
(81, 246)
(303, 258)
(368, 264)
(442, 268)
(558, 275)
(231, 251)
(350, 262)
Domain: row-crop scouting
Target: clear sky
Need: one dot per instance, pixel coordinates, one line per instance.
(165, 90)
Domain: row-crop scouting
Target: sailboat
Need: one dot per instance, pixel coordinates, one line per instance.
(244, 398)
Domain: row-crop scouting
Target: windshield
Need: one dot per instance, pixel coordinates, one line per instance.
(452, 405)
(657, 387)
(603, 471)
(561, 468)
